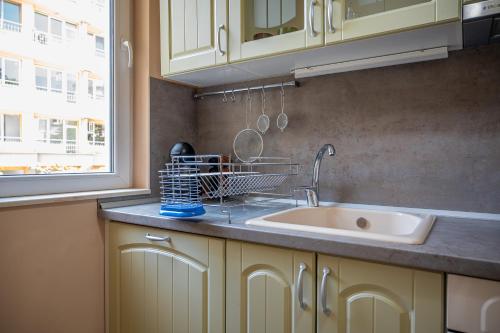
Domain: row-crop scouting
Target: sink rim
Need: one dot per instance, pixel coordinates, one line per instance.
(417, 237)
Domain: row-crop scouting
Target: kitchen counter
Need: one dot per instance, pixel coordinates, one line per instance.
(455, 245)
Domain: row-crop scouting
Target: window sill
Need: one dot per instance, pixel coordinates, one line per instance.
(65, 197)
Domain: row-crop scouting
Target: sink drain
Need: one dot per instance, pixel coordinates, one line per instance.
(362, 223)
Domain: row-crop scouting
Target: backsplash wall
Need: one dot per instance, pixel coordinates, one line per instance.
(419, 135)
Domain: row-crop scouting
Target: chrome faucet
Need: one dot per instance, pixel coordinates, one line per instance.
(312, 192)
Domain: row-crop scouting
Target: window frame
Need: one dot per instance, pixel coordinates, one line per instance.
(120, 133)
(3, 65)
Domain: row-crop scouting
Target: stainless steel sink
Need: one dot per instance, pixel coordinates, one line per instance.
(362, 223)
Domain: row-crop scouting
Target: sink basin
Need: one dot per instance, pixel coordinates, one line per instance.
(363, 223)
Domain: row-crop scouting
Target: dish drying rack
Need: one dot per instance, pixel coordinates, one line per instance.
(215, 180)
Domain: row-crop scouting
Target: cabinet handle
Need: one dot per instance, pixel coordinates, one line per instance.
(219, 46)
(300, 285)
(311, 18)
(157, 238)
(331, 28)
(325, 309)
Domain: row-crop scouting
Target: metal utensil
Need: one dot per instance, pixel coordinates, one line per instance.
(248, 144)
(263, 120)
(282, 120)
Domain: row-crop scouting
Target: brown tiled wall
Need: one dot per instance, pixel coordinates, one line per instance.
(418, 135)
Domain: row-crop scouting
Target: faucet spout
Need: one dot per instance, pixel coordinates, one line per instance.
(317, 164)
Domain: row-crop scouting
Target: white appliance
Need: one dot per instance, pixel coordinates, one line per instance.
(473, 305)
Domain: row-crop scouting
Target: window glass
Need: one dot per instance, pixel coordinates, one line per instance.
(56, 81)
(42, 129)
(56, 131)
(12, 126)
(70, 31)
(56, 27)
(11, 71)
(91, 88)
(99, 43)
(41, 78)
(99, 90)
(58, 60)
(11, 12)
(71, 83)
(41, 22)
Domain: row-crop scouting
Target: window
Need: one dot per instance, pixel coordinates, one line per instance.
(56, 81)
(41, 80)
(59, 139)
(10, 16)
(10, 128)
(70, 31)
(99, 46)
(71, 88)
(95, 133)
(9, 72)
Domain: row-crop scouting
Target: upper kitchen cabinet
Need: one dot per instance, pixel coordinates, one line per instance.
(259, 28)
(193, 34)
(363, 18)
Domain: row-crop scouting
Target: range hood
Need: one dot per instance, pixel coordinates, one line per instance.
(481, 23)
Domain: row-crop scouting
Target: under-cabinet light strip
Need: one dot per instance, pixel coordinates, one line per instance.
(228, 92)
(381, 61)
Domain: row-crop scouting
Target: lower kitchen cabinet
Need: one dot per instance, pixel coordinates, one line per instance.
(164, 281)
(269, 289)
(359, 297)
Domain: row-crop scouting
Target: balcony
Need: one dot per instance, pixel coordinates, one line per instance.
(57, 146)
(45, 38)
(10, 26)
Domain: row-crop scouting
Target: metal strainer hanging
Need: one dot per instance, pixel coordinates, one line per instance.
(282, 120)
(263, 120)
(248, 143)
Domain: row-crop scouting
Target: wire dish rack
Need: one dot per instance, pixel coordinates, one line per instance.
(214, 180)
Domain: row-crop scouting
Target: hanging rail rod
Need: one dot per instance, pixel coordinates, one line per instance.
(230, 91)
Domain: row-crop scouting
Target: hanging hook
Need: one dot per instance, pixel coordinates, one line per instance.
(233, 97)
(224, 99)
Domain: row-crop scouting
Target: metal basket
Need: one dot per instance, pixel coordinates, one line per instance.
(191, 179)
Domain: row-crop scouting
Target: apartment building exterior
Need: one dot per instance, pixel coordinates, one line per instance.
(62, 59)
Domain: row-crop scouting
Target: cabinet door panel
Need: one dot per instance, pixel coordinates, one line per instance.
(262, 30)
(188, 34)
(369, 297)
(403, 18)
(261, 284)
(161, 288)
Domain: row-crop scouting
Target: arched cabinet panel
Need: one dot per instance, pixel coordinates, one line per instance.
(262, 289)
(160, 286)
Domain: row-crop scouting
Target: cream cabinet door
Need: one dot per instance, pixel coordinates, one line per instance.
(260, 28)
(265, 287)
(360, 297)
(154, 285)
(193, 34)
(362, 18)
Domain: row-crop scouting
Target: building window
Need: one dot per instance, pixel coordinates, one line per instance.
(95, 133)
(56, 81)
(71, 88)
(96, 89)
(59, 132)
(99, 46)
(10, 16)
(49, 29)
(9, 72)
(41, 78)
(10, 128)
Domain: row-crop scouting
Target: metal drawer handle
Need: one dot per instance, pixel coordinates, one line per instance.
(326, 272)
(157, 238)
(311, 18)
(219, 46)
(300, 285)
(331, 28)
